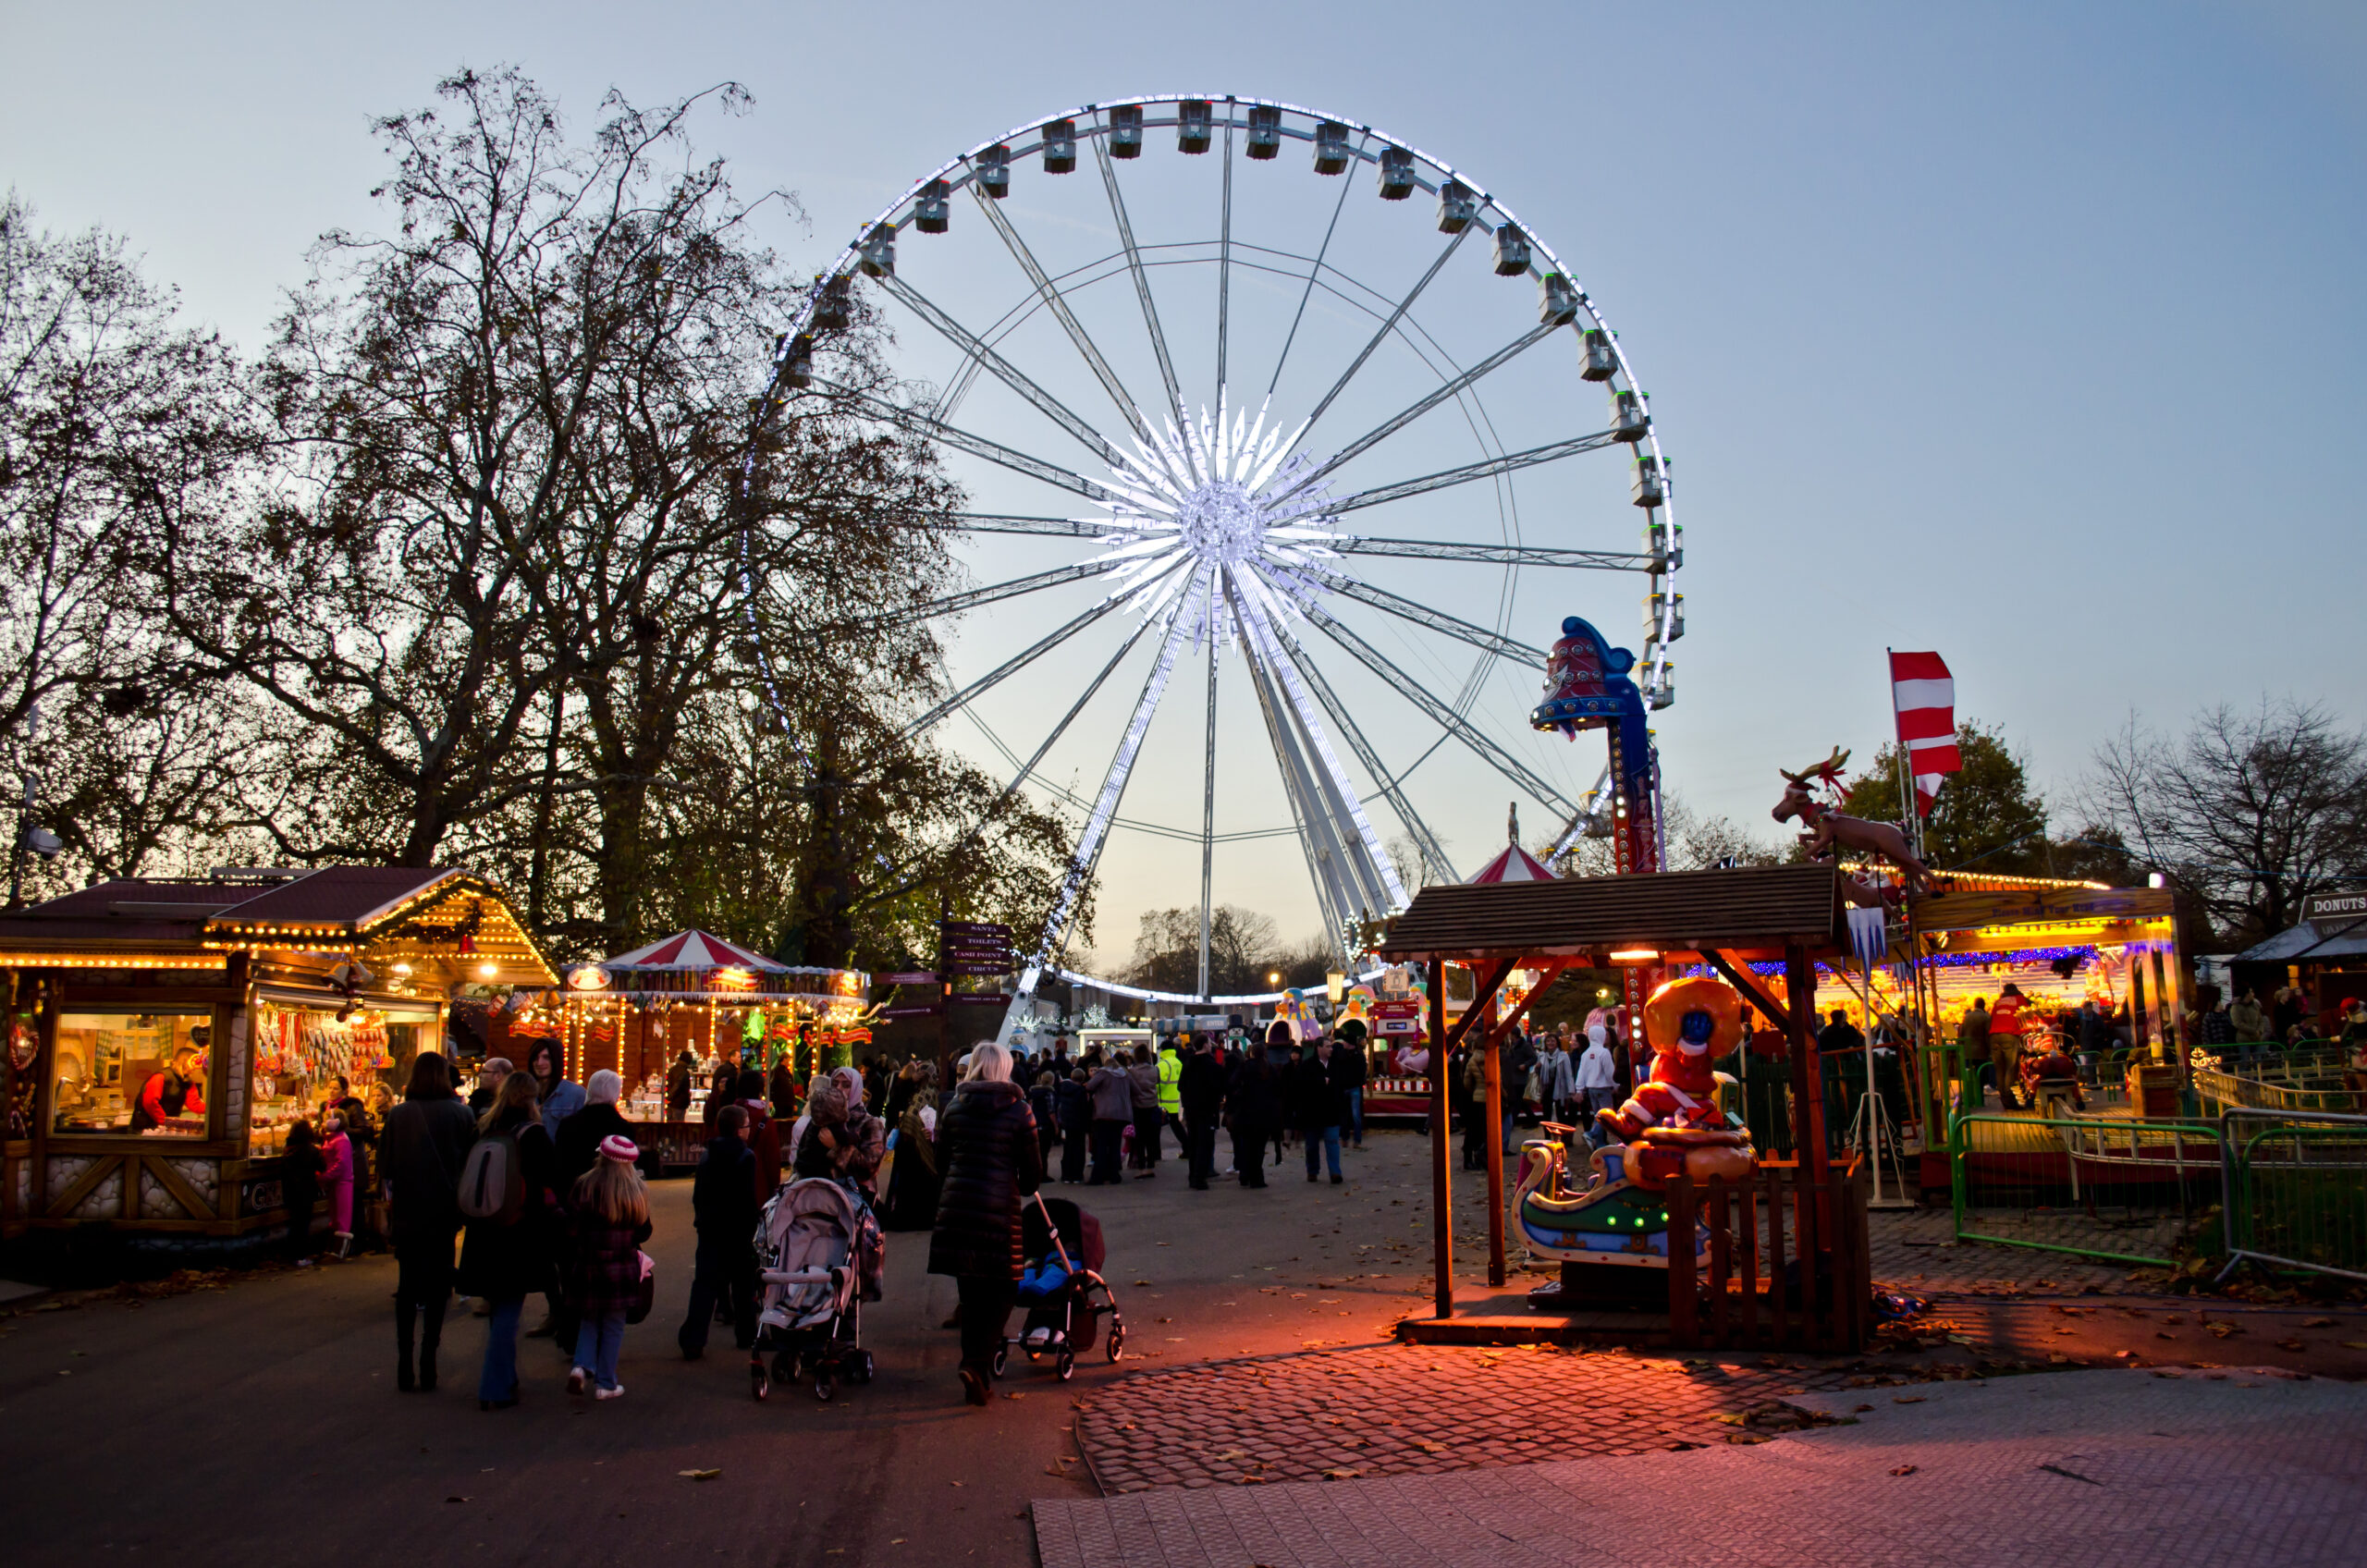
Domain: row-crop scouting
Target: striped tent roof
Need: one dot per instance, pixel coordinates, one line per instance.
(1515, 865)
(692, 951)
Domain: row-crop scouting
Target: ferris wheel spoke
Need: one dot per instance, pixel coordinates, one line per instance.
(1001, 368)
(972, 598)
(1087, 857)
(1370, 866)
(1514, 555)
(1391, 785)
(1387, 328)
(1488, 751)
(1142, 279)
(978, 446)
(1224, 257)
(1007, 523)
(1389, 427)
(1316, 840)
(1511, 462)
(1314, 271)
(1058, 306)
(1009, 667)
(1436, 620)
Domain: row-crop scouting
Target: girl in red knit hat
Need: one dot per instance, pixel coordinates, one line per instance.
(610, 1220)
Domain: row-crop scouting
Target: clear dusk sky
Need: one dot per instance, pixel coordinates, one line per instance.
(2029, 333)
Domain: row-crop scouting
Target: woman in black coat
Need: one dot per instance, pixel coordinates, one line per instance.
(300, 1185)
(1254, 1100)
(986, 1148)
(420, 1151)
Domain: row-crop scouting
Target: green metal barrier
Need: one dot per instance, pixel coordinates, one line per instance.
(2112, 1189)
(2296, 1189)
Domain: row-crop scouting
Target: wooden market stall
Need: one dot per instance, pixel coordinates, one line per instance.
(165, 1033)
(1810, 1211)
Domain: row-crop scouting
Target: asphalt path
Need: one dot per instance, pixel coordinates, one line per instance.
(259, 1423)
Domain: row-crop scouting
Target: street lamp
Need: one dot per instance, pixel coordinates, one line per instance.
(1273, 977)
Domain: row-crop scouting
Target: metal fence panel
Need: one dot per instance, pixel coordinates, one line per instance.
(2296, 1189)
(2114, 1189)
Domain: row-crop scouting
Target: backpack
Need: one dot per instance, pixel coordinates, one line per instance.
(492, 1187)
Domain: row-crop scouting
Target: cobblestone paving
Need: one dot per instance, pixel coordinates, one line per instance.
(1391, 1410)
(2089, 1470)
(1917, 1249)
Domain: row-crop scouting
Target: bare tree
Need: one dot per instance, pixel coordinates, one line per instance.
(112, 416)
(2249, 813)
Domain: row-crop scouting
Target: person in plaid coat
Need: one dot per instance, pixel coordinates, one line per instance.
(609, 1221)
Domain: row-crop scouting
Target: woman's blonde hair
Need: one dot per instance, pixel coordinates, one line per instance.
(613, 1190)
(518, 1091)
(989, 1063)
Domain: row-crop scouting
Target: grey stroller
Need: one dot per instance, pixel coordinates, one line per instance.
(820, 1254)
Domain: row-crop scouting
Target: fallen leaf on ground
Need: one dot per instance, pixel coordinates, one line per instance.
(2354, 1344)
(1906, 1399)
(456, 1499)
(711, 1475)
(1006, 1396)
(1342, 1475)
(1903, 1469)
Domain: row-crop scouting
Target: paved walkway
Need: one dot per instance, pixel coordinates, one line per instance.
(2091, 1469)
(1393, 1410)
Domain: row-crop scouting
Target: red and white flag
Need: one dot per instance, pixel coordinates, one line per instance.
(1925, 696)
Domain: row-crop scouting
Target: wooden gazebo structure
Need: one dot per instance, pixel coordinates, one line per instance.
(1727, 920)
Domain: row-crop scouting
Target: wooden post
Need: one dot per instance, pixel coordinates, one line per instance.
(1814, 1239)
(1492, 1073)
(1441, 1187)
(1684, 1299)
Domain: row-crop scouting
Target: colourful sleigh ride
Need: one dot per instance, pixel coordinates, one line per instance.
(1618, 1217)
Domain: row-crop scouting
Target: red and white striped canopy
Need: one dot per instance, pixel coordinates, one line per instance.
(692, 949)
(1925, 697)
(1515, 865)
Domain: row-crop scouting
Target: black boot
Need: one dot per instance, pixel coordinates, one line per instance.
(404, 1314)
(431, 1335)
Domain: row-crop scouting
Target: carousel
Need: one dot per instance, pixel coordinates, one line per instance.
(667, 1017)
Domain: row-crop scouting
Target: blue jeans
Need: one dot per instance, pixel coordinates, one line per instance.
(500, 1378)
(1356, 1115)
(1327, 1139)
(597, 1342)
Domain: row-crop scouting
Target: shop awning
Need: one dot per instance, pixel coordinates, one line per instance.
(2311, 941)
(692, 951)
(1576, 916)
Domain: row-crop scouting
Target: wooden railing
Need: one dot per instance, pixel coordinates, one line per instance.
(1788, 1266)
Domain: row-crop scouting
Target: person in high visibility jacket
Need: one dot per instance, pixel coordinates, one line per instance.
(1171, 1089)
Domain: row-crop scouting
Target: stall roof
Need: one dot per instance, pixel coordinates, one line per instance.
(1752, 908)
(2313, 939)
(332, 908)
(692, 950)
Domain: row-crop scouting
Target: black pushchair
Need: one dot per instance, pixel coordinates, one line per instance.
(819, 1255)
(1061, 1289)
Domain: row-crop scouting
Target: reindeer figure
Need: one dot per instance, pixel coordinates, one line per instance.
(1828, 828)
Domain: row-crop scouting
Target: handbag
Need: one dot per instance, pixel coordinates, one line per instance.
(646, 1297)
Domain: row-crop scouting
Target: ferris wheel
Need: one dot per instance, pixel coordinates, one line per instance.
(1205, 402)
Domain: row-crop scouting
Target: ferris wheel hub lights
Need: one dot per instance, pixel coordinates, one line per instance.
(1457, 206)
(1221, 521)
(1264, 130)
(1557, 299)
(994, 170)
(1629, 418)
(1126, 131)
(878, 253)
(1512, 250)
(1396, 174)
(1598, 361)
(1193, 126)
(1332, 148)
(934, 207)
(1060, 147)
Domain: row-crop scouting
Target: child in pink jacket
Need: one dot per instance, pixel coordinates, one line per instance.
(336, 1175)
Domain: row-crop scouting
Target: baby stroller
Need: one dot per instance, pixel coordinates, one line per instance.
(820, 1254)
(1063, 1295)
